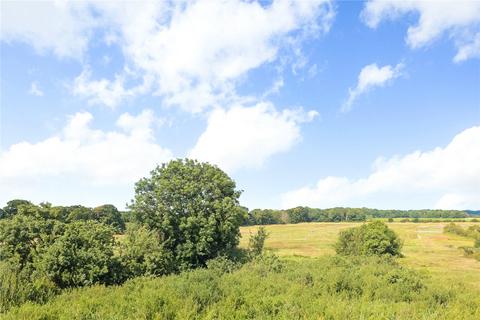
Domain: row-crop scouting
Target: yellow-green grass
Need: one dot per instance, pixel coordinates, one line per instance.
(426, 247)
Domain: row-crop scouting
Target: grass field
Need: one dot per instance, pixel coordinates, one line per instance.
(426, 247)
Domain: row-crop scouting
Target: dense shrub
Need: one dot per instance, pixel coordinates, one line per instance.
(141, 253)
(194, 209)
(82, 255)
(373, 238)
(19, 285)
(324, 288)
(24, 237)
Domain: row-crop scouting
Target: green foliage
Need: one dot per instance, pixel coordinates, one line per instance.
(19, 285)
(194, 209)
(325, 288)
(222, 265)
(257, 241)
(24, 237)
(82, 255)
(141, 253)
(12, 208)
(109, 214)
(373, 238)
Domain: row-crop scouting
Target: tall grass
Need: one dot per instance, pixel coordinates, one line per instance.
(270, 288)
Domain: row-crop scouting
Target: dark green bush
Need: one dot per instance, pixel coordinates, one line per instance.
(141, 253)
(373, 238)
(82, 255)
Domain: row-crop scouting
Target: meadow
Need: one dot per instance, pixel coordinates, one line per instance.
(303, 279)
(425, 247)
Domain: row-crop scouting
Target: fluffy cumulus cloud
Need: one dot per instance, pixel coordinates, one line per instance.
(371, 76)
(83, 155)
(459, 20)
(445, 178)
(195, 52)
(245, 137)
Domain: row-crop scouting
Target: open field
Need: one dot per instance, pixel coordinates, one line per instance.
(426, 247)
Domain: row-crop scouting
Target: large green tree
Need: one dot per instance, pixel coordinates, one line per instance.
(194, 209)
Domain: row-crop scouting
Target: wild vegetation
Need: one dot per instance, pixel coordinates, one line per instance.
(472, 232)
(180, 253)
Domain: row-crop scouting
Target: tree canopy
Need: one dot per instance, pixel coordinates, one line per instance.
(194, 209)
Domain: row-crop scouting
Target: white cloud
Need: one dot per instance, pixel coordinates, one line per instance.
(444, 178)
(83, 156)
(467, 51)
(35, 90)
(106, 92)
(371, 76)
(460, 20)
(58, 26)
(245, 137)
(203, 46)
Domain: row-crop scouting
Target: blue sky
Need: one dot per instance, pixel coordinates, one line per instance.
(313, 103)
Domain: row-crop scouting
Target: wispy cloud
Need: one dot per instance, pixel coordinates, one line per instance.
(371, 76)
(35, 90)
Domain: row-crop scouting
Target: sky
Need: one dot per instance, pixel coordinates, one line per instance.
(313, 103)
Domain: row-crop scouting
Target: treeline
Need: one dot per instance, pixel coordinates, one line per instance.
(110, 215)
(306, 214)
(107, 214)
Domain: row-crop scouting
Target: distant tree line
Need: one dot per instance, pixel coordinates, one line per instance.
(107, 214)
(339, 214)
(110, 215)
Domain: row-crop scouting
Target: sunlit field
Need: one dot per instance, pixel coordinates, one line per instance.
(426, 247)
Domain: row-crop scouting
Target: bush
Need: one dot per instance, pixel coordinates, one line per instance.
(19, 285)
(141, 253)
(257, 241)
(82, 255)
(374, 238)
(24, 237)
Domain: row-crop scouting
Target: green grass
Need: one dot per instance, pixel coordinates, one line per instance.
(301, 288)
(433, 281)
(426, 247)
